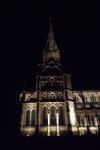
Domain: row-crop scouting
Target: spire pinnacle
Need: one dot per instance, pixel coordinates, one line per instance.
(51, 44)
(51, 53)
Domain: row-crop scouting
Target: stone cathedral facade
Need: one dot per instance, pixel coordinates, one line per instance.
(54, 109)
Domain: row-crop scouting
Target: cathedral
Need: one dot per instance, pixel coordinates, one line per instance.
(54, 109)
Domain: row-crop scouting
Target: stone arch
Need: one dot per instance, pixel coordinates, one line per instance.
(51, 79)
(33, 108)
(61, 105)
(28, 108)
(44, 105)
(52, 105)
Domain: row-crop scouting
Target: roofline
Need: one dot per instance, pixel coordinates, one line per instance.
(87, 91)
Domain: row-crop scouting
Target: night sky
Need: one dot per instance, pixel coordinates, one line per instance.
(23, 34)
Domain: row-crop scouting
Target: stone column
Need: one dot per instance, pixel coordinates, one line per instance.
(48, 124)
(57, 121)
(30, 117)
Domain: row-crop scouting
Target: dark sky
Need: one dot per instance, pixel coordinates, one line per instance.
(24, 28)
(23, 33)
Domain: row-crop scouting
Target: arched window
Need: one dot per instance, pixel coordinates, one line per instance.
(52, 95)
(78, 120)
(93, 121)
(61, 117)
(28, 117)
(33, 117)
(89, 121)
(51, 80)
(53, 115)
(44, 95)
(60, 96)
(83, 123)
(45, 115)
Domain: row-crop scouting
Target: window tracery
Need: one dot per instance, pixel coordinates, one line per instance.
(44, 96)
(60, 95)
(52, 95)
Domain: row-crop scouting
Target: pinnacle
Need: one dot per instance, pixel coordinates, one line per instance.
(51, 44)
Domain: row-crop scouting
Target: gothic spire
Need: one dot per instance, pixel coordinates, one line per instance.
(51, 44)
(51, 53)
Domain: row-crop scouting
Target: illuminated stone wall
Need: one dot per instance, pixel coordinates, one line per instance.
(87, 104)
(54, 109)
(26, 124)
(58, 126)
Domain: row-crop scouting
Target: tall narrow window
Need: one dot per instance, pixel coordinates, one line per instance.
(83, 123)
(60, 110)
(89, 121)
(78, 120)
(60, 96)
(28, 117)
(52, 95)
(44, 96)
(33, 117)
(45, 116)
(53, 115)
(51, 80)
(93, 121)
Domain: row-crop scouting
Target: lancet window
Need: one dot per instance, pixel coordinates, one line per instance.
(45, 115)
(33, 117)
(61, 117)
(28, 117)
(53, 115)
